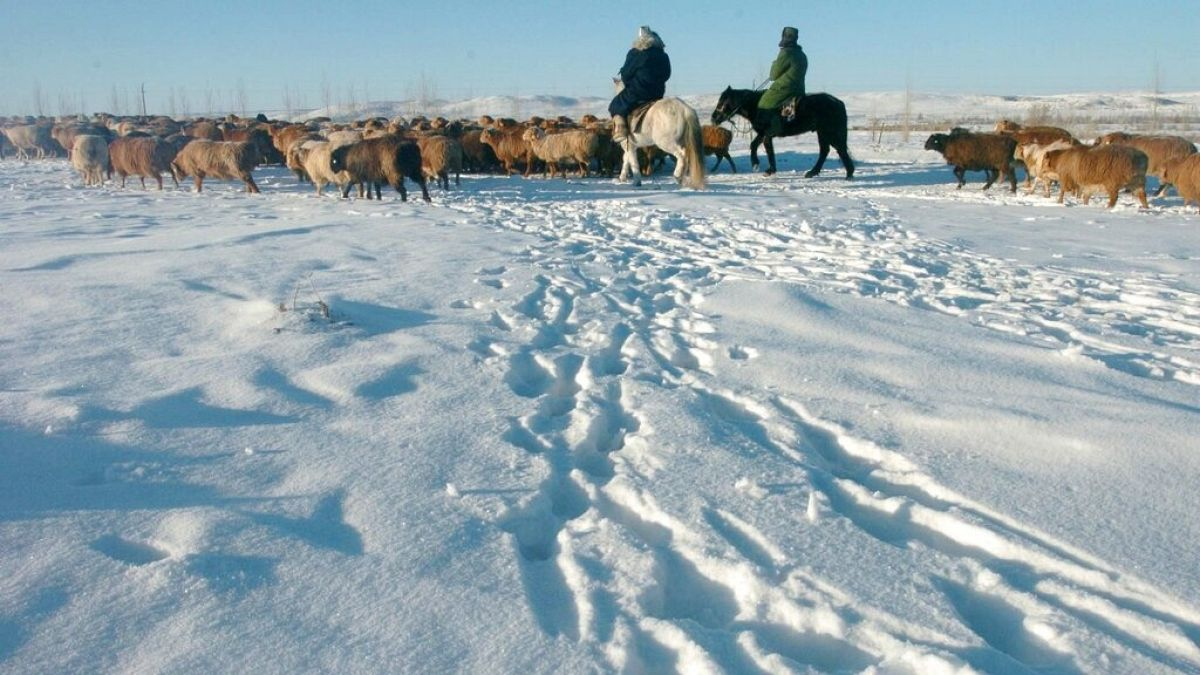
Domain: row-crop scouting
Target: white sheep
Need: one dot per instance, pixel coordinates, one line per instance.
(89, 156)
(578, 144)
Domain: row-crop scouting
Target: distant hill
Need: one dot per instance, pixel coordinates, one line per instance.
(864, 109)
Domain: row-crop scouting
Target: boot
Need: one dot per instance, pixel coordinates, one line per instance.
(620, 129)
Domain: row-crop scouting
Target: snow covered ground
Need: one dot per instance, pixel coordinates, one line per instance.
(782, 425)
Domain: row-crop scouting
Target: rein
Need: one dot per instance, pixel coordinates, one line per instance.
(745, 128)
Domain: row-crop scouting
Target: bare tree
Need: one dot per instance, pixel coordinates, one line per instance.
(1155, 96)
(39, 99)
(326, 92)
(906, 127)
(241, 98)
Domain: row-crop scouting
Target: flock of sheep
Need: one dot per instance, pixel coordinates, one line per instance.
(369, 153)
(365, 154)
(1114, 162)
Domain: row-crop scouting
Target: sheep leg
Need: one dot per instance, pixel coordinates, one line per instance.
(399, 186)
(992, 175)
(143, 179)
(251, 187)
(961, 174)
(345, 190)
(158, 177)
(199, 183)
(1140, 193)
(424, 189)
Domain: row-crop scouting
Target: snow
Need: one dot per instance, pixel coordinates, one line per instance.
(781, 425)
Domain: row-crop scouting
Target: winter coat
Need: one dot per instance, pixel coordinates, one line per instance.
(788, 75)
(645, 76)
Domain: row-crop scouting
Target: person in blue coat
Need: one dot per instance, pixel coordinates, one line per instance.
(645, 73)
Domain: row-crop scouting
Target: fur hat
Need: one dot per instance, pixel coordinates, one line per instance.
(790, 36)
(647, 38)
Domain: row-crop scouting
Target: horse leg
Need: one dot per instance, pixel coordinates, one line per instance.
(820, 158)
(754, 143)
(629, 165)
(770, 146)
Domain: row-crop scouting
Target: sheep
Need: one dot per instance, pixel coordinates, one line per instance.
(315, 161)
(260, 138)
(439, 156)
(1033, 155)
(968, 151)
(294, 156)
(344, 136)
(89, 156)
(142, 157)
(65, 134)
(5, 145)
(1184, 174)
(31, 140)
(283, 137)
(1159, 150)
(1085, 169)
(577, 144)
(509, 147)
(477, 155)
(374, 161)
(716, 142)
(1026, 136)
(224, 160)
(205, 130)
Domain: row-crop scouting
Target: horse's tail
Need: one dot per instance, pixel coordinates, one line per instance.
(693, 145)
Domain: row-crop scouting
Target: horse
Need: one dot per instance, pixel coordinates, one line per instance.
(822, 113)
(674, 127)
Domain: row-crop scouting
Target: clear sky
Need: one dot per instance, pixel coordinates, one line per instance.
(218, 54)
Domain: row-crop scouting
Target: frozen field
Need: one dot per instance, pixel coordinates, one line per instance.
(782, 425)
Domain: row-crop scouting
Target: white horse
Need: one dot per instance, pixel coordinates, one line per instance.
(674, 127)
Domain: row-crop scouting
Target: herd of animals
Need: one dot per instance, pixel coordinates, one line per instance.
(369, 153)
(1114, 162)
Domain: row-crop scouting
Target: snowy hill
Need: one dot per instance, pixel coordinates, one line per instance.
(783, 425)
(1180, 110)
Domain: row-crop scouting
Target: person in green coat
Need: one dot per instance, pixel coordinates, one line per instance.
(787, 75)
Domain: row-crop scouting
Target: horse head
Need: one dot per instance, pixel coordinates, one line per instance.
(726, 107)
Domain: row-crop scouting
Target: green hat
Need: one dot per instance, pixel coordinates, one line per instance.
(790, 36)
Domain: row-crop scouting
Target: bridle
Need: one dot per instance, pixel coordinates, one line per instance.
(744, 129)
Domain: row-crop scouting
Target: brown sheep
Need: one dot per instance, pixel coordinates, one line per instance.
(968, 151)
(577, 144)
(374, 161)
(260, 138)
(65, 134)
(283, 137)
(294, 157)
(1159, 150)
(1085, 169)
(716, 142)
(509, 147)
(477, 155)
(206, 130)
(223, 160)
(439, 156)
(1043, 136)
(142, 157)
(1184, 174)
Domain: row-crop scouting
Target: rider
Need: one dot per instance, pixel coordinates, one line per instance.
(788, 74)
(645, 73)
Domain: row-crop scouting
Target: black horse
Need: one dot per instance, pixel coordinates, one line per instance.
(822, 113)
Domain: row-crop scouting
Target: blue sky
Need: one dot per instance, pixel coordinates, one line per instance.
(219, 52)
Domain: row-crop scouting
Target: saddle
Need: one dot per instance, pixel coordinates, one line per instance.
(789, 108)
(637, 114)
